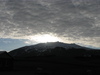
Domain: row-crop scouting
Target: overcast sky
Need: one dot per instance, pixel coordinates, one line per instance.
(75, 21)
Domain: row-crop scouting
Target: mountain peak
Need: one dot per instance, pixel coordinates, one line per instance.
(50, 45)
(43, 47)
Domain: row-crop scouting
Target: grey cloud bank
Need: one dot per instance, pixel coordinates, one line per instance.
(76, 21)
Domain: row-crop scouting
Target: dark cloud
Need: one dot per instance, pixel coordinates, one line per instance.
(74, 19)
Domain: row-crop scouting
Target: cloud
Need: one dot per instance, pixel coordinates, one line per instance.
(74, 19)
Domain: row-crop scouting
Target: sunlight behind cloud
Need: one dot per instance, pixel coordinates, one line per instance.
(73, 21)
(43, 38)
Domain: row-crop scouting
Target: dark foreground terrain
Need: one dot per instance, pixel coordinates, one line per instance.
(54, 66)
(54, 59)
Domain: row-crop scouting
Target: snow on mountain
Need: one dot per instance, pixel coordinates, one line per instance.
(45, 46)
(41, 47)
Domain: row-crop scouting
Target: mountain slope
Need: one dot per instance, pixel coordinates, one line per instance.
(43, 48)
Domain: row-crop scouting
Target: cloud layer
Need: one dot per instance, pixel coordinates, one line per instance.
(73, 20)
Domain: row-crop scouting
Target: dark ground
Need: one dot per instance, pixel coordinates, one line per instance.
(53, 66)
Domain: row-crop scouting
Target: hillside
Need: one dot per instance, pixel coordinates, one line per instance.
(50, 49)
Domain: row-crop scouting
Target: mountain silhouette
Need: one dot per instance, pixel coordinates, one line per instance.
(49, 49)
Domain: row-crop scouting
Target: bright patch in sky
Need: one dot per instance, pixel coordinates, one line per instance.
(45, 38)
(26, 22)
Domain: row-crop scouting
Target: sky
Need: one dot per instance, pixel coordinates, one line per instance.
(71, 21)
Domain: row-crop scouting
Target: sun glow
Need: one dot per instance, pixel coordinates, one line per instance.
(45, 38)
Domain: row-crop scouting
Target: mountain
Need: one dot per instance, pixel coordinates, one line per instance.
(50, 48)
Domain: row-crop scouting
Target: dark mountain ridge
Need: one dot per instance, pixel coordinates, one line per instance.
(57, 56)
(49, 49)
